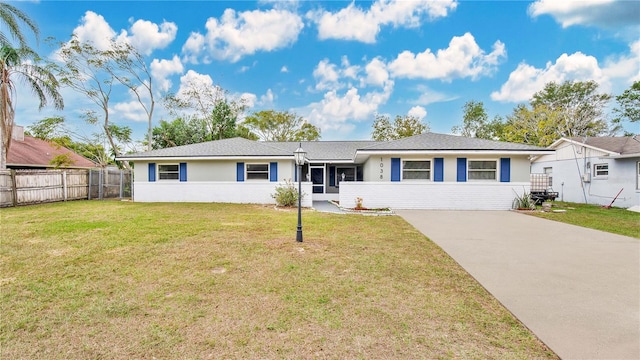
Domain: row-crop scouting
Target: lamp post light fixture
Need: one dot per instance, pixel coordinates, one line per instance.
(299, 155)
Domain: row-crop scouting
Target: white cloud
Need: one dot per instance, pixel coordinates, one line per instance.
(147, 36)
(143, 35)
(94, 29)
(527, 80)
(329, 76)
(249, 99)
(418, 112)
(284, 69)
(236, 35)
(193, 48)
(603, 13)
(430, 96)
(625, 67)
(348, 70)
(354, 23)
(162, 69)
(268, 98)
(195, 80)
(326, 75)
(377, 73)
(129, 110)
(463, 58)
(337, 112)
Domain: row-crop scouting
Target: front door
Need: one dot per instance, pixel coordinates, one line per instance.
(317, 178)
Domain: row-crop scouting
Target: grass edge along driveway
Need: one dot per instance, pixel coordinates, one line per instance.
(120, 280)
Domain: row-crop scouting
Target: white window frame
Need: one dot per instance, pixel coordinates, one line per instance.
(402, 170)
(604, 173)
(549, 171)
(160, 173)
(496, 171)
(247, 171)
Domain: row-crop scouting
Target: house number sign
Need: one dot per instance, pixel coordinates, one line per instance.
(381, 169)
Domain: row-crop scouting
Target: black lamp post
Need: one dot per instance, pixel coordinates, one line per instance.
(299, 155)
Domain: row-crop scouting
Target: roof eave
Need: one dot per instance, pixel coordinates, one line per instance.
(461, 152)
(200, 157)
(624, 156)
(578, 143)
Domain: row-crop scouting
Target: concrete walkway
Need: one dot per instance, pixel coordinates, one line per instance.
(326, 206)
(577, 289)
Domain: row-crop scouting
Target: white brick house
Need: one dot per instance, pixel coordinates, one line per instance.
(427, 171)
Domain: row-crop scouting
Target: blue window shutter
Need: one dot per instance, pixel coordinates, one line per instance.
(183, 171)
(152, 172)
(438, 169)
(395, 169)
(505, 169)
(273, 171)
(240, 171)
(462, 170)
(332, 176)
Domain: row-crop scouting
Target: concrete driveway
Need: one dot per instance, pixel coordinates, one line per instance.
(577, 289)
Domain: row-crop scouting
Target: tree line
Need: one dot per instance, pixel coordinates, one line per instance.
(569, 109)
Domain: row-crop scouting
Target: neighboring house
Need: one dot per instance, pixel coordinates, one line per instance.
(27, 152)
(427, 171)
(594, 170)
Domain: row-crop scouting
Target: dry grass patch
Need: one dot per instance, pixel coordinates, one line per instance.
(127, 280)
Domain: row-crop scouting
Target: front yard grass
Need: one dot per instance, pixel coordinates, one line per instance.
(613, 220)
(120, 280)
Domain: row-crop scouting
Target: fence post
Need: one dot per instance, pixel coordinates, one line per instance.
(121, 184)
(100, 184)
(64, 186)
(14, 188)
(89, 189)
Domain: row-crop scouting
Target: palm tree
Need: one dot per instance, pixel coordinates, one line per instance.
(11, 16)
(22, 65)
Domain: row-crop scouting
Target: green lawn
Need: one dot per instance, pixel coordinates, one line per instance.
(121, 280)
(613, 220)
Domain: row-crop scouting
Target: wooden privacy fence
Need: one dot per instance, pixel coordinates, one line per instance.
(24, 187)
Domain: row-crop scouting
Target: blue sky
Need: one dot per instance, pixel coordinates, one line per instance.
(339, 63)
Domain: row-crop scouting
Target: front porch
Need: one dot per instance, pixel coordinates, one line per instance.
(327, 177)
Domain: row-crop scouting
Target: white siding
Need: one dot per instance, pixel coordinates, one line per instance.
(373, 166)
(568, 180)
(223, 192)
(520, 166)
(567, 151)
(432, 195)
(209, 170)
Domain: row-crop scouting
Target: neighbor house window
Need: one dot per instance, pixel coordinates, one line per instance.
(549, 172)
(482, 169)
(601, 170)
(638, 173)
(416, 170)
(257, 171)
(168, 171)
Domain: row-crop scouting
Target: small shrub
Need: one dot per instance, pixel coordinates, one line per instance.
(286, 194)
(524, 202)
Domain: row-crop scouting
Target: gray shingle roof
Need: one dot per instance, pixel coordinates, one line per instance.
(622, 145)
(329, 150)
(218, 148)
(434, 141)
